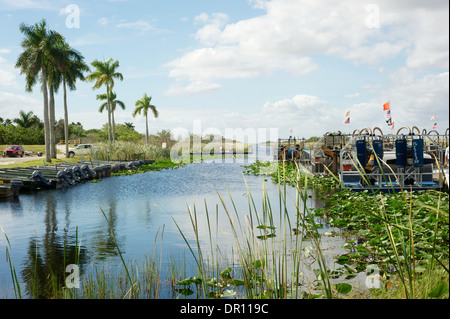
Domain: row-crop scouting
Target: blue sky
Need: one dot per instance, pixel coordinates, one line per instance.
(249, 64)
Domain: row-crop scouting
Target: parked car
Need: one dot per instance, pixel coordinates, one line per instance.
(14, 150)
(80, 150)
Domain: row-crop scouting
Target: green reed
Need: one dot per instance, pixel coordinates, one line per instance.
(268, 245)
(12, 267)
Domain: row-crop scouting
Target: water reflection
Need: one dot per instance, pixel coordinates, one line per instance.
(44, 265)
(105, 238)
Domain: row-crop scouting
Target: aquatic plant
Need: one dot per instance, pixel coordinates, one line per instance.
(155, 166)
(270, 253)
(403, 233)
(290, 173)
(12, 267)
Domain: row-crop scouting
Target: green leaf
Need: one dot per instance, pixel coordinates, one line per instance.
(266, 227)
(343, 288)
(237, 282)
(257, 264)
(420, 269)
(439, 291)
(264, 237)
(189, 281)
(226, 272)
(184, 292)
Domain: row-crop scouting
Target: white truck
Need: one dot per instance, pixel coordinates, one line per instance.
(81, 149)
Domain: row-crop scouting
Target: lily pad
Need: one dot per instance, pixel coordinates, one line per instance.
(343, 288)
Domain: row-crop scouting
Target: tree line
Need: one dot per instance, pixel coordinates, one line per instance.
(28, 129)
(47, 58)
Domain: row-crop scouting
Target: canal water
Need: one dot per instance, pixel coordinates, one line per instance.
(142, 214)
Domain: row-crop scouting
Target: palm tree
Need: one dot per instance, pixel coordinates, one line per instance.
(143, 105)
(53, 82)
(40, 51)
(113, 102)
(25, 120)
(104, 74)
(71, 70)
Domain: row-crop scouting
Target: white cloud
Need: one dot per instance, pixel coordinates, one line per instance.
(140, 25)
(7, 71)
(290, 33)
(211, 32)
(7, 78)
(193, 88)
(414, 99)
(102, 21)
(92, 38)
(258, 4)
(11, 104)
(25, 4)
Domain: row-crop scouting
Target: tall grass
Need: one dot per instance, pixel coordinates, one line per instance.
(268, 246)
(128, 151)
(12, 267)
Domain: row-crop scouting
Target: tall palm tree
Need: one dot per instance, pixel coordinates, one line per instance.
(53, 83)
(114, 102)
(104, 74)
(143, 105)
(40, 51)
(25, 120)
(71, 70)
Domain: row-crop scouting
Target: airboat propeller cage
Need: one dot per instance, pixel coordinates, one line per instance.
(361, 152)
(401, 149)
(417, 147)
(378, 150)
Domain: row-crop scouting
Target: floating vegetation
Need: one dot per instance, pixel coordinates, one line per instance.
(290, 173)
(155, 166)
(406, 234)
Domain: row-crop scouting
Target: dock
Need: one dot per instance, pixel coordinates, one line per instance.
(15, 180)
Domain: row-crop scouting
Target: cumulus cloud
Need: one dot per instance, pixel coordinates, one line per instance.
(414, 98)
(7, 71)
(11, 104)
(210, 33)
(290, 33)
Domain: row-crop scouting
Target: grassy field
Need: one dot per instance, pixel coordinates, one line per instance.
(24, 162)
(38, 162)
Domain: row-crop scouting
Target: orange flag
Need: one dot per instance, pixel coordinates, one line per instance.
(386, 106)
